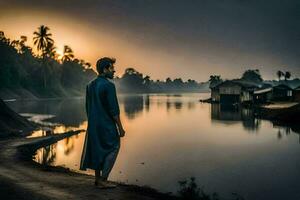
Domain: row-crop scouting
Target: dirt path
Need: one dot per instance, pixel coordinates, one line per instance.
(21, 178)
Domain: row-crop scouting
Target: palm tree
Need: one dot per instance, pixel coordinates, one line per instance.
(287, 75)
(22, 43)
(42, 39)
(279, 74)
(15, 43)
(50, 51)
(67, 54)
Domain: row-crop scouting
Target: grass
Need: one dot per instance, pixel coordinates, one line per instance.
(189, 190)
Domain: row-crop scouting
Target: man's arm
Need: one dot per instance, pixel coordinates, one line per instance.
(114, 107)
(119, 124)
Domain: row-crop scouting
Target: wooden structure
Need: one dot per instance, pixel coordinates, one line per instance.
(282, 93)
(233, 91)
(279, 92)
(296, 94)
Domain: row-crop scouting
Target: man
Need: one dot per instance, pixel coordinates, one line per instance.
(102, 140)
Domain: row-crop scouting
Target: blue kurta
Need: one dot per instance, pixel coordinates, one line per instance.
(101, 136)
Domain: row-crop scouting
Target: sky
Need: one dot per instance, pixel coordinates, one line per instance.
(160, 38)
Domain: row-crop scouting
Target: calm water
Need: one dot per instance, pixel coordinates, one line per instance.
(173, 137)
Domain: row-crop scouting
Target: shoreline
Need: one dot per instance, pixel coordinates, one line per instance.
(21, 175)
(18, 172)
(9, 98)
(23, 178)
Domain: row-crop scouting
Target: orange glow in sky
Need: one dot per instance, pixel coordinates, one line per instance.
(90, 41)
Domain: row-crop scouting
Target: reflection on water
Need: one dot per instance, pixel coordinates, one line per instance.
(133, 105)
(46, 155)
(235, 114)
(69, 112)
(39, 118)
(46, 131)
(60, 153)
(173, 137)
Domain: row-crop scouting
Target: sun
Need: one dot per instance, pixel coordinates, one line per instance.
(60, 53)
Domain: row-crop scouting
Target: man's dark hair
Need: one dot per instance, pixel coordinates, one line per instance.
(104, 63)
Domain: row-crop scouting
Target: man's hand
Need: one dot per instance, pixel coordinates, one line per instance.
(121, 132)
(119, 124)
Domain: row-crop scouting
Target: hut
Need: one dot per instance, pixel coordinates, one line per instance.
(233, 91)
(281, 92)
(296, 94)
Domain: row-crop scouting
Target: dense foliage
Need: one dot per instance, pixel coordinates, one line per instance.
(134, 81)
(252, 75)
(47, 74)
(42, 74)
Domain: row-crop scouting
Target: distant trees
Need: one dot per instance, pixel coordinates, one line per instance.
(252, 75)
(135, 82)
(147, 81)
(286, 75)
(19, 45)
(214, 80)
(42, 74)
(3, 39)
(11, 71)
(132, 80)
(68, 54)
(279, 74)
(46, 74)
(50, 51)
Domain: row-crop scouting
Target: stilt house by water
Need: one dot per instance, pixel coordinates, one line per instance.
(296, 94)
(234, 91)
(281, 92)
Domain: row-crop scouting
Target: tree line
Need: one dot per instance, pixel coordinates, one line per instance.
(251, 75)
(134, 81)
(45, 73)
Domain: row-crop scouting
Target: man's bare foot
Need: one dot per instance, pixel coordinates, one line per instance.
(105, 184)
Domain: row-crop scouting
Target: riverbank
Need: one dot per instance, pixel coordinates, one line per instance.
(25, 94)
(19, 173)
(22, 178)
(12, 124)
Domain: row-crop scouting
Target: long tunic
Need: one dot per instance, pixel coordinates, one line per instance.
(101, 135)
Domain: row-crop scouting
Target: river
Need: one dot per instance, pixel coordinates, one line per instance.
(173, 137)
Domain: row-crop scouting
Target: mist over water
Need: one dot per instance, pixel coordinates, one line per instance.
(173, 137)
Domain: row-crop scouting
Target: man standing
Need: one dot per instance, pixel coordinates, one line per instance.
(102, 140)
